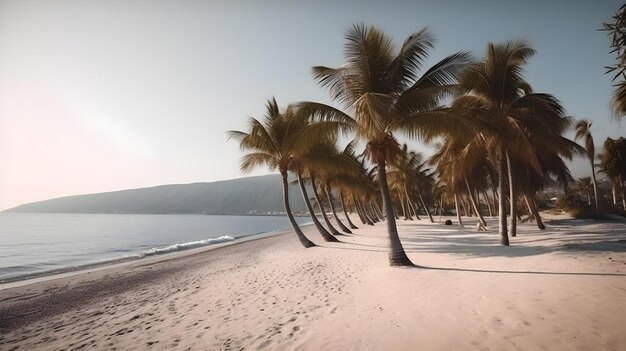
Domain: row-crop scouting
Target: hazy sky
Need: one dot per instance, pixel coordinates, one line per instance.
(107, 95)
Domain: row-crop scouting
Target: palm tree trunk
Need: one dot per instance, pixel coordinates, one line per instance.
(621, 185)
(458, 210)
(325, 234)
(512, 197)
(473, 201)
(358, 210)
(504, 236)
(345, 211)
(430, 216)
(303, 239)
(595, 186)
(379, 211)
(368, 219)
(373, 212)
(467, 213)
(416, 209)
(332, 229)
(441, 209)
(402, 205)
(410, 207)
(397, 256)
(488, 202)
(614, 191)
(532, 207)
(332, 209)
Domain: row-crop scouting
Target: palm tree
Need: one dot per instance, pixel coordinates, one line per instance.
(385, 93)
(273, 142)
(613, 163)
(509, 113)
(617, 33)
(325, 164)
(320, 228)
(281, 140)
(583, 186)
(583, 131)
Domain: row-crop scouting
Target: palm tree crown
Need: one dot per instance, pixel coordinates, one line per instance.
(384, 91)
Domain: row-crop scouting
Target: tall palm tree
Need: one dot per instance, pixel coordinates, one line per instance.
(613, 163)
(274, 142)
(583, 131)
(584, 185)
(301, 182)
(617, 32)
(386, 94)
(324, 164)
(510, 112)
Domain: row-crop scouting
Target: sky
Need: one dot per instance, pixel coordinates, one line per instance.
(106, 95)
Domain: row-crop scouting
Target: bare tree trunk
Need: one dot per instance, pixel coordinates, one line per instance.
(368, 219)
(325, 234)
(496, 198)
(415, 207)
(332, 209)
(345, 211)
(430, 216)
(504, 236)
(402, 206)
(332, 229)
(614, 191)
(458, 210)
(378, 215)
(358, 209)
(303, 239)
(473, 202)
(512, 197)
(467, 213)
(595, 186)
(379, 210)
(441, 209)
(370, 211)
(621, 185)
(397, 256)
(488, 202)
(532, 207)
(410, 206)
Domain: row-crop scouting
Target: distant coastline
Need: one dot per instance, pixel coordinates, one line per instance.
(259, 195)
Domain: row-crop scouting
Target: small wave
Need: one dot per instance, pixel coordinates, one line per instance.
(11, 275)
(184, 246)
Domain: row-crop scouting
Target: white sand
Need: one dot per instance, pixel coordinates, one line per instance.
(560, 289)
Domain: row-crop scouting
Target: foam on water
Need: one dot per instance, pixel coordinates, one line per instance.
(33, 245)
(184, 246)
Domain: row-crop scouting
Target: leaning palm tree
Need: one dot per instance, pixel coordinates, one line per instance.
(273, 142)
(280, 139)
(384, 91)
(583, 131)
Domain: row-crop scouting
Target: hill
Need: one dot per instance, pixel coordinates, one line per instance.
(250, 195)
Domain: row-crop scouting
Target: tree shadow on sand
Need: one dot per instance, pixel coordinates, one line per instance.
(519, 272)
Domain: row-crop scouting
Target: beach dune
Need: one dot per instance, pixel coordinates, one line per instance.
(559, 289)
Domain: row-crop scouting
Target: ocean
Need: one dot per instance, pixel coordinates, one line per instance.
(39, 244)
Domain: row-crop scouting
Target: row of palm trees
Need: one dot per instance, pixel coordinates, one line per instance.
(496, 134)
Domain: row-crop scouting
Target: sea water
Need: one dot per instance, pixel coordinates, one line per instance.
(39, 244)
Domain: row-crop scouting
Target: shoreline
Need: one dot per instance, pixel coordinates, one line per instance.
(121, 262)
(559, 289)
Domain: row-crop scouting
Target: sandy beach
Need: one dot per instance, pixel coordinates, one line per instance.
(560, 289)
